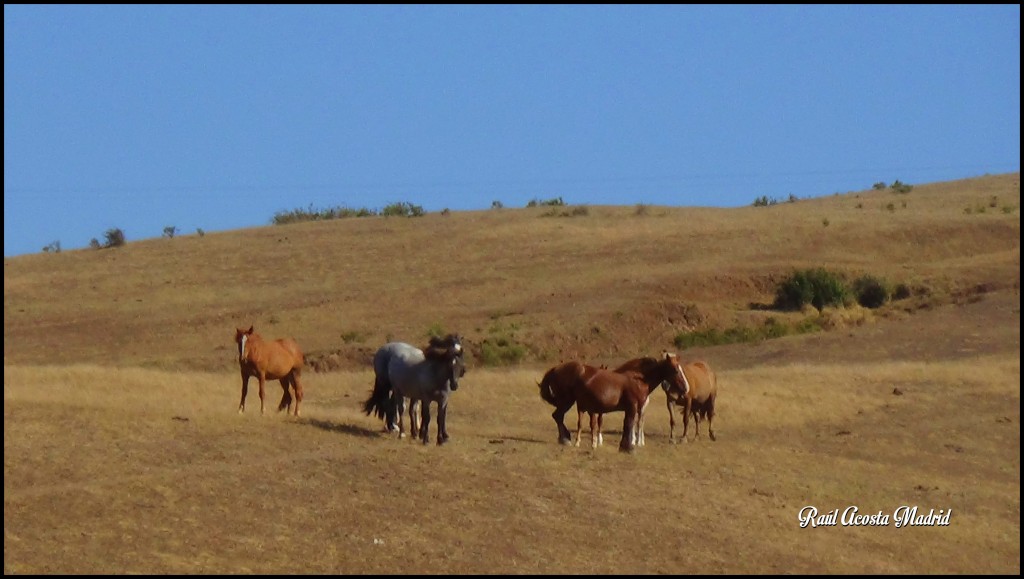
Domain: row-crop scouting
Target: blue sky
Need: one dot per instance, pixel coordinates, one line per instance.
(218, 117)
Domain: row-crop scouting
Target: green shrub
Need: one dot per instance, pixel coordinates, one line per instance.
(901, 291)
(879, 186)
(817, 287)
(114, 237)
(774, 329)
(312, 214)
(402, 209)
(553, 202)
(764, 201)
(170, 231)
(899, 187)
(436, 329)
(501, 351)
(352, 336)
(52, 247)
(771, 328)
(870, 291)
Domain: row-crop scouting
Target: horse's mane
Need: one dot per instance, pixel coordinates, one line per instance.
(441, 348)
(640, 364)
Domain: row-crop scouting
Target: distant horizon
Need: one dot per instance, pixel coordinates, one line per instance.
(218, 117)
(378, 213)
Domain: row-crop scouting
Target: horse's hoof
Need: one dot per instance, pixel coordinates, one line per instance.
(442, 442)
(565, 441)
(712, 437)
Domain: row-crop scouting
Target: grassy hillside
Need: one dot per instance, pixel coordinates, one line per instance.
(613, 283)
(124, 453)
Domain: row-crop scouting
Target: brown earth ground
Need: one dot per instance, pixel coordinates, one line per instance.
(123, 452)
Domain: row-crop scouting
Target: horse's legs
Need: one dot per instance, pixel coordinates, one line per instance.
(640, 422)
(414, 418)
(687, 405)
(595, 429)
(600, 429)
(579, 426)
(711, 416)
(263, 379)
(442, 422)
(286, 398)
(671, 421)
(425, 421)
(399, 402)
(696, 421)
(564, 436)
(297, 386)
(628, 444)
(245, 390)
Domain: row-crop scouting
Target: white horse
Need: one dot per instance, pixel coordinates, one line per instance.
(403, 371)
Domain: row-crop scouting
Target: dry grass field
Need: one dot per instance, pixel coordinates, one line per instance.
(123, 451)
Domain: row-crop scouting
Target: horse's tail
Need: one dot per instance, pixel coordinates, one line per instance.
(547, 391)
(380, 401)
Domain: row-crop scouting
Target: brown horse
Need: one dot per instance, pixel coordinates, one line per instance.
(278, 360)
(597, 391)
(655, 371)
(695, 395)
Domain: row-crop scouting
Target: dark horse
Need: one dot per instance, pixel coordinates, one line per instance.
(597, 390)
(277, 360)
(423, 376)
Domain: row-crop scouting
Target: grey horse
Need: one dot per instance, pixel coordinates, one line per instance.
(403, 371)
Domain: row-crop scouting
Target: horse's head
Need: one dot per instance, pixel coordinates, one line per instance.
(241, 338)
(458, 369)
(447, 347)
(678, 378)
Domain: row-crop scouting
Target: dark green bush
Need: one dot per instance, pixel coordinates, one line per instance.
(501, 351)
(900, 187)
(553, 202)
(901, 292)
(764, 201)
(817, 287)
(402, 209)
(870, 291)
(312, 214)
(114, 237)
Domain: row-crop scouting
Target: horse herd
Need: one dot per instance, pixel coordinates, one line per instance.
(409, 377)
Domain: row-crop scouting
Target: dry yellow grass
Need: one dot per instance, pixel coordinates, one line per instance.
(147, 471)
(123, 452)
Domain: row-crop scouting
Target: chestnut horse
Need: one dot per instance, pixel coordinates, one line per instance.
(655, 371)
(597, 391)
(278, 360)
(695, 395)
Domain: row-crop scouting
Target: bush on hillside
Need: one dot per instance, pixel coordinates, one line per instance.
(870, 291)
(816, 286)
